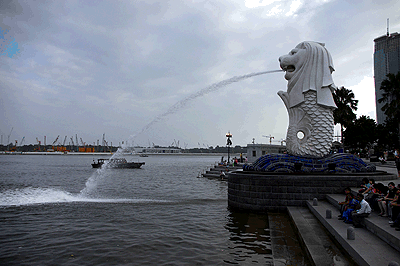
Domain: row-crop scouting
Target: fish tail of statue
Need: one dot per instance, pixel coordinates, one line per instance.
(310, 130)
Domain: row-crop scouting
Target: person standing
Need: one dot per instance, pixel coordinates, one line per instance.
(362, 212)
(397, 161)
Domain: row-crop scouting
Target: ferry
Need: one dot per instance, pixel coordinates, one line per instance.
(116, 163)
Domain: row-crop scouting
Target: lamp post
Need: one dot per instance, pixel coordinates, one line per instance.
(228, 142)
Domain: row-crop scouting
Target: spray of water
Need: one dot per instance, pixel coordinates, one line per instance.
(214, 87)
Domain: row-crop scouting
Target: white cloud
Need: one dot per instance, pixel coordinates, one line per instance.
(258, 3)
(294, 7)
(364, 92)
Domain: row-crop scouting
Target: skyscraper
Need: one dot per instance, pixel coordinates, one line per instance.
(386, 60)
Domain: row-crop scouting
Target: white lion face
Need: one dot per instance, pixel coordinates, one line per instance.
(293, 61)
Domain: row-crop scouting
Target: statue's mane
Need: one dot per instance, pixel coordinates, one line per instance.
(315, 74)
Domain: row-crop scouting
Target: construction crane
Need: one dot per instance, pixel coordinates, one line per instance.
(270, 138)
(106, 144)
(38, 141)
(8, 139)
(77, 142)
(22, 141)
(73, 145)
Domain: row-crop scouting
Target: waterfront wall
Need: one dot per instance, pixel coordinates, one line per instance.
(262, 192)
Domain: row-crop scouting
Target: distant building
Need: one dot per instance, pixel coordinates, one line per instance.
(386, 60)
(157, 149)
(255, 151)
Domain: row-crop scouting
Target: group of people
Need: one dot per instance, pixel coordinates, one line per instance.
(372, 196)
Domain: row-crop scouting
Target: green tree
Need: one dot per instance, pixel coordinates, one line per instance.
(388, 135)
(361, 134)
(346, 105)
(390, 88)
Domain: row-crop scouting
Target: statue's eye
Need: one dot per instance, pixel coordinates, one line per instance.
(293, 52)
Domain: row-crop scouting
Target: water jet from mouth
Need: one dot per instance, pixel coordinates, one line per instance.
(212, 88)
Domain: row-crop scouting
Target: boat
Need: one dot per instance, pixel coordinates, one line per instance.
(116, 163)
(143, 155)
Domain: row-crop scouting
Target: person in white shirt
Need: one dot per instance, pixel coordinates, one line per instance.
(362, 212)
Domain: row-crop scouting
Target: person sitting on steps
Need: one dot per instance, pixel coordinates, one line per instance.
(362, 212)
(382, 203)
(396, 223)
(346, 217)
(346, 202)
(395, 207)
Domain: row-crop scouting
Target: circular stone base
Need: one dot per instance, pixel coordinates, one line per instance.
(332, 163)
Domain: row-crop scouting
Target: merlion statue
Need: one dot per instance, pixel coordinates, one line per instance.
(309, 99)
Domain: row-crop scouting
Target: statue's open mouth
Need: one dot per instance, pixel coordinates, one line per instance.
(289, 68)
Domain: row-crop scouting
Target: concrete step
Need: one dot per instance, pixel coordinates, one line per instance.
(367, 248)
(374, 223)
(316, 241)
(215, 171)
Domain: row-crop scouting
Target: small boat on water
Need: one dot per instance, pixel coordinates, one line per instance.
(143, 155)
(116, 163)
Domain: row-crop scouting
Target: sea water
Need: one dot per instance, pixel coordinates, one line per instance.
(57, 210)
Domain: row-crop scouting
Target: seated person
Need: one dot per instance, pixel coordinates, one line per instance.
(347, 199)
(365, 185)
(346, 216)
(396, 223)
(395, 206)
(382, 203)
(370, 190)
(380, 190)
(362, 212)
(222, 174)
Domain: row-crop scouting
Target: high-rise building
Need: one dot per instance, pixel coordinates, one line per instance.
(386, 60)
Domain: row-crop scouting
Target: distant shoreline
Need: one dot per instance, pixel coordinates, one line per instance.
(108, 153)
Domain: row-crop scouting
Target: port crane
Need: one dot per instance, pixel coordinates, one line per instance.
(38, 141)
(54, 142)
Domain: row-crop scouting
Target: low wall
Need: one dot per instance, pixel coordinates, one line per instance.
(262, 192)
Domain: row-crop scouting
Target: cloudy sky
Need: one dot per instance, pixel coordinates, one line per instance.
(139, 70)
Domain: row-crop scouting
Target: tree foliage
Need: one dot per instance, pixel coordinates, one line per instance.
(361, 134)
(346, 105)
(391, 96)
(388, 135)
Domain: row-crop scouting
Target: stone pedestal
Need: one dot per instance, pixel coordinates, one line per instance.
(263, 191)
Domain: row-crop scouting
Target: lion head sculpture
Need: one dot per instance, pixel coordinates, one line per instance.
(309, 66)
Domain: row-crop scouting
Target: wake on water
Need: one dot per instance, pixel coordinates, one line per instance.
(30, 195)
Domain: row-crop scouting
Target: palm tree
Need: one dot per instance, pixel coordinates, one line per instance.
(346, 105)
(391, 97)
